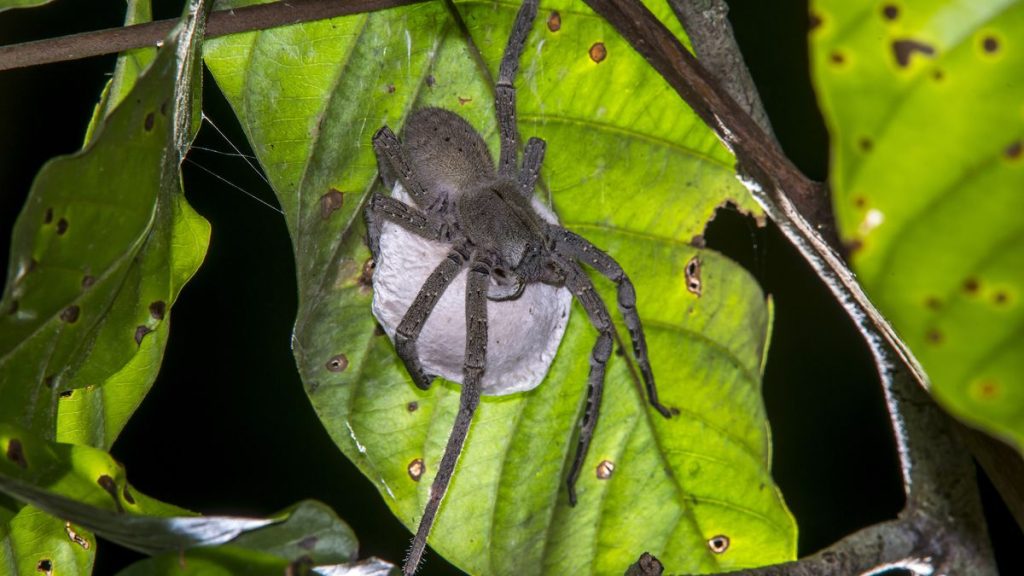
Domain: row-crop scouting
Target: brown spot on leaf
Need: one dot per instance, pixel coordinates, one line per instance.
(331, 202)
(337, 363)
(16, 454)
(391, 88)
(412, 406)
(605, 469)
(890, 12)
(971, 285)
(837, 57)
(88, 280)
(430, 81)
(932, 303)
(45, 566)
(938, 75)
(903, 49)
(149, 121)
(693, 281)
(990, 44)
(62, 226)
(108, 484)
(157, 309)
(464, 101)
(70, 314)
(75, 537)
(1014, 151)
(555, 21)
(718, 544)
(814, 21)
(934, 336)
(865, 144)
(416, 469)
(140, 333)
(598, 52)
(1000, 297)
(48, 216)
(986, 389)
(366, 274)
(860, 202)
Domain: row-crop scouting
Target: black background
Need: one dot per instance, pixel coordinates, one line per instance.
(227, 427)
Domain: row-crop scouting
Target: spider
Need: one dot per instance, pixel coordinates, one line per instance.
(491, 225)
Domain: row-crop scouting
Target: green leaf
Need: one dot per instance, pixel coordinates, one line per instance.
(923, 100)
(98, 256)
(628, 166)
(87, 489)
(99, 253)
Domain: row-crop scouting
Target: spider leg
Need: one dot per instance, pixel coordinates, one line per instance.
(416, 316)
(505, 92)
(581, 249)
(581, 287)
(389, 152)
(382, 207)
(473, 369)
(533, 157)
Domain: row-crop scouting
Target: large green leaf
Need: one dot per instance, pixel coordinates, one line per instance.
(924, 103)
(99, 253)
(9, 4)
(628, 166)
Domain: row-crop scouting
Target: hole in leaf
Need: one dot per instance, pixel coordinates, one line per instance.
(718, 544)
(338, 363)
(140, 333)
(416, 469)
(62, 226)
(157, 309)
(75, 537)
(45, 566)
(48, 216)
(693, 281)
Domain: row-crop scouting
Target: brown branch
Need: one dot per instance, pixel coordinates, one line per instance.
(221, 23)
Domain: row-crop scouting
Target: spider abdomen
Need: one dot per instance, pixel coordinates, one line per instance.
(449, 154)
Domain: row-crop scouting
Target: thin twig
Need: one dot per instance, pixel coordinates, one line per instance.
(221, 23)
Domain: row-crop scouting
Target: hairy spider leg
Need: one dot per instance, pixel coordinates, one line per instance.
(387, 146)
(505, 92)
(583, 289)
(416, 317)
(533, 157)
(400, 213)
(469, 398)
(583, 251)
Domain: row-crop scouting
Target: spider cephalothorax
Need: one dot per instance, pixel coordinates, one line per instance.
(488, 221)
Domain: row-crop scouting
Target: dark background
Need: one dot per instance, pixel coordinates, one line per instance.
(227, 427)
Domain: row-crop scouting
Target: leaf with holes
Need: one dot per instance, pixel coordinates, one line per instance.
(87, 490)
(98, 255)
(628, 166)
(100, 251)
(927, 129)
